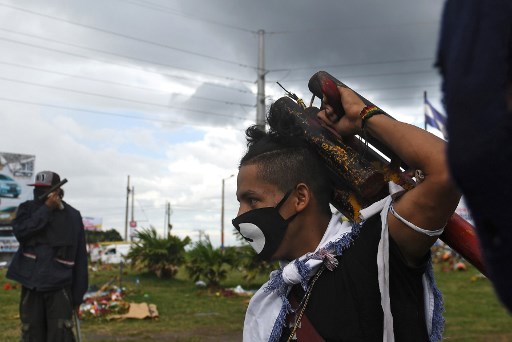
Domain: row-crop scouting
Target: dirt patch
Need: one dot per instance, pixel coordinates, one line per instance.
(189, 336)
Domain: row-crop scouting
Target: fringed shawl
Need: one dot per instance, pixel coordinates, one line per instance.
(269, 307)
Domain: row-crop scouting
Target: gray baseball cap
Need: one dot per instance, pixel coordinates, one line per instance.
(46, 178)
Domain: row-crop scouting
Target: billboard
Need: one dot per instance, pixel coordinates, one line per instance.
(16, 172)
(92, 223)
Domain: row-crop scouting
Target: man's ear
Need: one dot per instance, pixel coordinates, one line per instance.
(303, 196)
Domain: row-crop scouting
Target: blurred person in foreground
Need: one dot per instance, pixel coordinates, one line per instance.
(50, 264)
(369, 280)
(475, 60)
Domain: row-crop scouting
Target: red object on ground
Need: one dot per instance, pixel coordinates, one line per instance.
(7, 286)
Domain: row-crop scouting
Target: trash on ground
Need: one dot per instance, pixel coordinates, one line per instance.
(108, 302)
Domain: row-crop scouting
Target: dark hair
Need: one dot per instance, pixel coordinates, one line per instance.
(283, 157)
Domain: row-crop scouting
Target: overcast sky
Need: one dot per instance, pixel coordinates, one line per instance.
(163, 90)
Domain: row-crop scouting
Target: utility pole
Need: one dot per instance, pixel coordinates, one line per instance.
(133, 200)
(169, 212)
(222, 218)
(260, 98)
(200, 233)
(222, 214)
(133, 219)
(167, 218)
(126, 210)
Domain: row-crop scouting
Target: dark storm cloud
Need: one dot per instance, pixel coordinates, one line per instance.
(380, 45)
(215, 104)
(369, 44)
(119, 83)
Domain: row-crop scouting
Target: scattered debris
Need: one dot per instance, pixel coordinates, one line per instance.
(138, 311)
(236, 291)
(448, 259)
(240, 291)
(108, 302)
(478, 277)
(200, 283)
(8, 286)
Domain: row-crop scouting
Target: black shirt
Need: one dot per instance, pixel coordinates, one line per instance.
(345, 304)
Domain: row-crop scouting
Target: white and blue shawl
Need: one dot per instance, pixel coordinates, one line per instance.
(268, 308)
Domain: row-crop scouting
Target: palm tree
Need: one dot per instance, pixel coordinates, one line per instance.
(251, 266)
(209, 264)
(161, 256)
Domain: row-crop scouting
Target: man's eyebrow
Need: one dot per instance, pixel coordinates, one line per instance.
(245, 194)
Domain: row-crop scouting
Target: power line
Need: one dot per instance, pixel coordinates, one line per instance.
(407, 98)
(323, 28)
(208, 74)
(140, 40)
(369, 75)
(351, 64)
(122, 56)
(381, 100)
(117, 64)
(118, 98)
(397, 87)
(214, 75)
(148, 119)
(142, 209)
(414, 86)
(165, 9)
(33, 103)
(122, 84)
(391, 88)
(161, 207)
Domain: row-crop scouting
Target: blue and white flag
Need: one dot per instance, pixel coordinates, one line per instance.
(435, 119)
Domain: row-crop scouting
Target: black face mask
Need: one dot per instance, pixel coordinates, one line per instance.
(264, 228)
(39, 191)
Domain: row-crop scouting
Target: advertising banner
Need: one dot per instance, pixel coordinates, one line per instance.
(16, 172)
(92, 223)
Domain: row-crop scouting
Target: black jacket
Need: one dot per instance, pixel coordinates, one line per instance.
(475, 58)
(52, 253)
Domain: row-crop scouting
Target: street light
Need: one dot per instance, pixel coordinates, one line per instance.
(222, 215)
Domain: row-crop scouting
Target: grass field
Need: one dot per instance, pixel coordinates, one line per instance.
(187, 313)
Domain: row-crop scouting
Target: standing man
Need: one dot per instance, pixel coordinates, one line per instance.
(475, 60)
(51, 263)
(369, 280)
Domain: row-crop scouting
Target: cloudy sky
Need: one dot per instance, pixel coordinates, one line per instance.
(163, 90)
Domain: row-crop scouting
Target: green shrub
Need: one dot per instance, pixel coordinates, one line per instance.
(161, 256)
(251, 266)
(209, 264)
